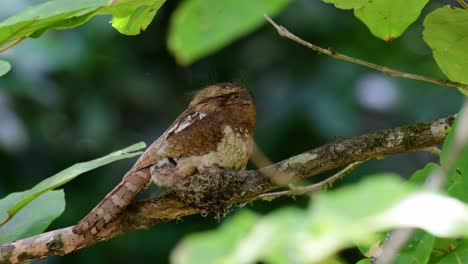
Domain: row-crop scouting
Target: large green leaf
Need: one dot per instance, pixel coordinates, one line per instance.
(420, 176)
(8, 210)
(34, 218)
(418, 248)
(129, 16)
(253, 247)
(457, 178)
(134, 16)
(193, 249)
(4, 67)
(420, 244)
(347, 4)
(341, 218)
(446, 32)
(386, 19)
(201, 27)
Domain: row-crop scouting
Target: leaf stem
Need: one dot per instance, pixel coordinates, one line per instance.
(283, 32)
(12, 44)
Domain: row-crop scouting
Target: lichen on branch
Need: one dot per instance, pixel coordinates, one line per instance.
(229, 188)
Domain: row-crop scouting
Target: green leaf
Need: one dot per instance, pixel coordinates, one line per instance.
(459, 255)
(251, 245)
(347, 4)
(254, 247)
(418, 242)
(24, 198)
(133, 18)
(446, 147)
(446, 32)
(458, 177)
(201, 27)
(4, 67)
(364, 261)
(220, 242)
(420, 176)
(457, 180)
(129, 16)
(386, 19)
(45, 15)
(399, 205)
(339, 219)
(373, 247)
(34, 218)
(418, 247)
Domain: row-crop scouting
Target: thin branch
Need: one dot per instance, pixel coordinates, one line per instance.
(12, 44)
(433, 150)
(393, 245)
(463, 3)
(258, 158)
(247, 186)
(283, 32)
(313, 187)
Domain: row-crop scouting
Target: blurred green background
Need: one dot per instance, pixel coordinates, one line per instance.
(78, 94)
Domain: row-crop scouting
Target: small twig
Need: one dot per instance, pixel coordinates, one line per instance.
(463, 3)
(6, 220)
(433, 150)
(12, 44)
(258, 158)
(283, 32)
(393, 245)
(313, 187)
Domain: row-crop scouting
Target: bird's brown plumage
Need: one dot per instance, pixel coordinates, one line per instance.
(216, 129)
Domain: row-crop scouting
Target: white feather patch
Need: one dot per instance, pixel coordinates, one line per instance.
(188, 121)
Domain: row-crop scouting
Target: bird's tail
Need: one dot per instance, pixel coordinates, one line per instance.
(114, 202)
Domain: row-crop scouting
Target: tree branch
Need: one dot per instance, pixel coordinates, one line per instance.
(235, 187)
(301, 190)
(283, 32)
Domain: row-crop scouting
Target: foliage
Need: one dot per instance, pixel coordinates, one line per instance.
(34, 217)
(329, 224)
(129, 17)
(385, 19)
(41, 200)
(201, 27)
(446, 32)
(4, 67)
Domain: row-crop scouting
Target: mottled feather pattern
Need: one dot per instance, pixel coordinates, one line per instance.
(215, 130)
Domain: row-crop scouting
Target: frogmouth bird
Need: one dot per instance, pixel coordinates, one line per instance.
(215, 131)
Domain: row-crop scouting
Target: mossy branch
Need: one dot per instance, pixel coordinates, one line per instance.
(233, 188)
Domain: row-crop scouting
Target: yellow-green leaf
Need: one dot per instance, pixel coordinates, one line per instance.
(4, 67)
(8, 210)
(201, 27)
(386, 19)
(446, 32)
